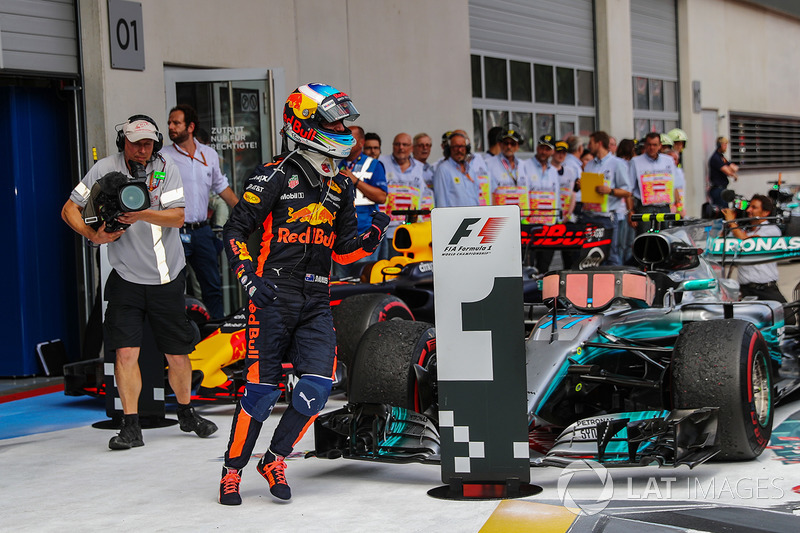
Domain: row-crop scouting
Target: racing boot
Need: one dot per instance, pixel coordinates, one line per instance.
(272, 467)
(229, 486)
(191, 421)
(130, 434)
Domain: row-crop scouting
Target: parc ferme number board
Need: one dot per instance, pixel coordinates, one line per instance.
(480, 344)
(126, 34)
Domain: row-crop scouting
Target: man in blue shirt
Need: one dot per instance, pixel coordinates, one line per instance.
(453, 186)
(369, 178)
(612, 212)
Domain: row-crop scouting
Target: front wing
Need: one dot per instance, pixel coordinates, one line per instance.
(668, 438)
(378, 432)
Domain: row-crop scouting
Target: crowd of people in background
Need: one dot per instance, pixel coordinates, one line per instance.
(623, 178)
(620, 179)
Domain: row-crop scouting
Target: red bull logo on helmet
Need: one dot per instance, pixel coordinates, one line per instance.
(302, 105)
(314, 214)
(297, 127)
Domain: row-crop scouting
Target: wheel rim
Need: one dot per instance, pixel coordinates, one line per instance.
(761, 389)
(428, 364)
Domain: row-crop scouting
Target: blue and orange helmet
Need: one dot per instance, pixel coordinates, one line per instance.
(308, 108)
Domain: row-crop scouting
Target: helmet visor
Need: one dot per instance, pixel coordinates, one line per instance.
(336, 107)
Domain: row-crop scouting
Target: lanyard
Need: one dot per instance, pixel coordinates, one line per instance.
(508, 170)
(205, 163)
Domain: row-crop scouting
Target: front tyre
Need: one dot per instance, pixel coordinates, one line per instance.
(725, 364)
(356, 314)
(384, 367)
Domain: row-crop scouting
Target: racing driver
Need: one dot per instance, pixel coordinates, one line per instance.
(306, 209)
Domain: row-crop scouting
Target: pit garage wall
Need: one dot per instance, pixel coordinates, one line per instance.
(745, 59)
(404, 62)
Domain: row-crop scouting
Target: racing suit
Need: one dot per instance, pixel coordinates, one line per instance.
(306, 218)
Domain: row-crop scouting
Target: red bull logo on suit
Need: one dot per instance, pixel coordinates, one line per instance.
(314, 214)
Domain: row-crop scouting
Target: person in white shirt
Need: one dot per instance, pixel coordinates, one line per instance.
(201, 175)
(760, 280)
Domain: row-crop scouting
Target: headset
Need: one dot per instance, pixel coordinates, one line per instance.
(157, 145)
(449, 135)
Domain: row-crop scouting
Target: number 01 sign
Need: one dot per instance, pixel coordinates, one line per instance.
(480, 345)
(126, 34)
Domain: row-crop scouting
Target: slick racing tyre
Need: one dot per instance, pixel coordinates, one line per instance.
(725, 364)
(356, 314)
(196, 310)
(384, 367)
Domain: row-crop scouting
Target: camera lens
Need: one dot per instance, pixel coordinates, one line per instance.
(132, 198)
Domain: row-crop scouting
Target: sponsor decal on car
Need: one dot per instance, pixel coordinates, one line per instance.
(756, 245)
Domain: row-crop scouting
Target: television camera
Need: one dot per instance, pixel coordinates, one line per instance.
(740, 203)
(115, 194)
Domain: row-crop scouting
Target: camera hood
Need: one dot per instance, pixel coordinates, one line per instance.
(112, 195)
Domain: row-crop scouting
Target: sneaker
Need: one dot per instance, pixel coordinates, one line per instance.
(130, 436)
(272, 467)
(191, 421)
(229, 486)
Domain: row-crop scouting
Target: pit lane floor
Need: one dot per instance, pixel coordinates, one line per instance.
(57, 474)
(67, 479)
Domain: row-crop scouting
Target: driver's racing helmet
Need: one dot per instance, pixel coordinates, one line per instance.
(311, 105)
(677, 135)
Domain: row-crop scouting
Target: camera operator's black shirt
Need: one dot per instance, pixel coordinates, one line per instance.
(716, 177)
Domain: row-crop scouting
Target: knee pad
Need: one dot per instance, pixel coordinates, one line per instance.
(259, 399)
(310, 394)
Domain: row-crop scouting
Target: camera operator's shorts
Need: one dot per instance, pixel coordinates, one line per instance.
(164, 306)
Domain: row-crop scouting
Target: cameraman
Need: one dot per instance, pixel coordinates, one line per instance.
(761, 280)
(719, 170)
(148, 277)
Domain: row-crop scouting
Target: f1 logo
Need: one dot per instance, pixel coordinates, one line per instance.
(488, 232)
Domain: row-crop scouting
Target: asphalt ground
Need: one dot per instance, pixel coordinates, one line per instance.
(65, 478)
(58, 474)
